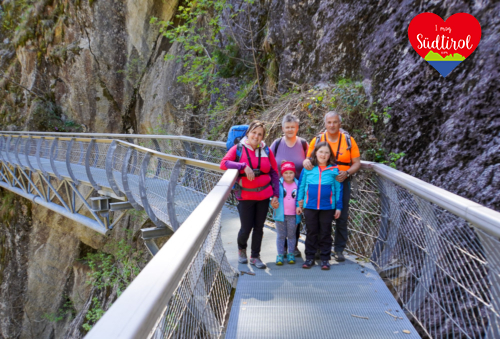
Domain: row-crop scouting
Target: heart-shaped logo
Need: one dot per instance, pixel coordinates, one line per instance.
(444, 44)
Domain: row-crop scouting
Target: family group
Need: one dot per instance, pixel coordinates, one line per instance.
(312, 180)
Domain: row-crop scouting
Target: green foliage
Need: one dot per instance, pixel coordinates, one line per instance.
(198, 35)
(63, 312)
(227, 61)
(93, 315)
(205, 58)
(116, 269)
(113, 269)
(7, 208)
(134, 70)
(47, 117)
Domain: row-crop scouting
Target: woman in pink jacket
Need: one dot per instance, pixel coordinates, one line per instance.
(257, 183)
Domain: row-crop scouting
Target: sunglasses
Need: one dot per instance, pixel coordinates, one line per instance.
(294, 193)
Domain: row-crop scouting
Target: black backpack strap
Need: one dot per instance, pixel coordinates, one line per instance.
(238, 152)
(278, 142)
(304, 145)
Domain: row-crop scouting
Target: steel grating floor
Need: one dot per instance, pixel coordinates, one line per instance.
(291, 302)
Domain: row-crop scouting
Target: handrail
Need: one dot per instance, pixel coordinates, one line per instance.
(153, 288)
(188, 161)
(124, 136)
(479, 216)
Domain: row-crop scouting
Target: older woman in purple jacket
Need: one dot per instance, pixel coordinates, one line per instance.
(292, 148)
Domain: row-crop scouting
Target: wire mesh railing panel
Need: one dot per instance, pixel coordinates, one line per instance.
(117, 165)
(133, 173)
(59, 156)
(97, 163)
(20, 150)
(157, 179)
(364, 214)
(445, 271)
(193, 186)
(77, 159)
(198, 307)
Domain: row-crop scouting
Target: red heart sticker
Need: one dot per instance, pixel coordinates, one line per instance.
(444, 44)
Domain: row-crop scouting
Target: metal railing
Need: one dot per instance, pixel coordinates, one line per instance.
(182, 146)
(68, 174)
(440, 252)
(185, 289)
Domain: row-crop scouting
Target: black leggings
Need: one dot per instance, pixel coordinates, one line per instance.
(252, 217)
(319, 232)
(341, 232)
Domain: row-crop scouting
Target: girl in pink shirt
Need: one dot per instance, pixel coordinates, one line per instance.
(285, 215)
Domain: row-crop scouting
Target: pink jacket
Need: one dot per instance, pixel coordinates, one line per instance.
(267, 165)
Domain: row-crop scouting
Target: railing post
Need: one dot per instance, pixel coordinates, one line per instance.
(16, 152)
(37, 155)
(109, 168)
(27, 151)
(126, 186)
(172, 183)
(87, 166)
(53, 149)
(7, 150)
(158, 168)
(68, 162)
(143, 192)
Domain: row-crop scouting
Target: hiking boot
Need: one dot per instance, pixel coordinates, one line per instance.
(257, 263)
(308, 263)
(297, 252)
(291, 258)
(279, 259)
(325, 265)
(340, 256)
(242, 256)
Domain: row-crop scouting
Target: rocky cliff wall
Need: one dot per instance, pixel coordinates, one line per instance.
(99, 66)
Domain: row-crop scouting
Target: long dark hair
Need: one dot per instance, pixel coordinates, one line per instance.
(314, 159)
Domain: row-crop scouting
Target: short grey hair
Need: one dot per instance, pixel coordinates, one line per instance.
(290, 118)
(332, 114)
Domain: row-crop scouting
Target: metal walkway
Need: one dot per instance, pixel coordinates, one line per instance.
(291, 302)
(440, 252)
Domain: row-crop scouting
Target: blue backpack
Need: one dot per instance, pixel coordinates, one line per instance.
(236, 133)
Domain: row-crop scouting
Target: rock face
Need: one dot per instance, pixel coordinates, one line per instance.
(448, 127)
(103, 67)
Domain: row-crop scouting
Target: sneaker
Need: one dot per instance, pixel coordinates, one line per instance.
(325, 265)
(257, 263)
(340, 256)
(308, 263)
(242, 256)
(279, 259)
(297, 252)
(291, 258)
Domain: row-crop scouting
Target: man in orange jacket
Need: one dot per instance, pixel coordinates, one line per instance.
(348, 161)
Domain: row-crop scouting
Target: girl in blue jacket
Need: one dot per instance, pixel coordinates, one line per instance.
(320, 198)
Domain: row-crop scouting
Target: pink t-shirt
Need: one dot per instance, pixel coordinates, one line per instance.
(290, 198)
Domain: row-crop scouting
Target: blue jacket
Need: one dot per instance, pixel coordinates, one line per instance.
(279, 213)
(320, 189)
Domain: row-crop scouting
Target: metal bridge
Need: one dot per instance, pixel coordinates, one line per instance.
(439, 252)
